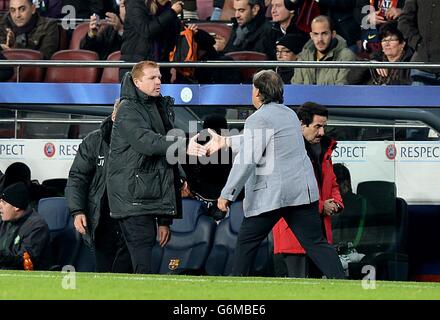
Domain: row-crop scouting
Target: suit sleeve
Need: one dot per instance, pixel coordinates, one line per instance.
(252, 147)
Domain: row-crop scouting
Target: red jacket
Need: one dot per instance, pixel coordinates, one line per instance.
(284, 239)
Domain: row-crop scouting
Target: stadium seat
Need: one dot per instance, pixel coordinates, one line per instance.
(66, 243)
(27, 74)
(73, 74)
(63, 42)
(57, 185)
(228, 10)
(383, 239)
(111, 75)
(220, 259)
(80, 32)
(220, 28)
(204, 9)
(190, 244)
(4, 5)
(247, 73)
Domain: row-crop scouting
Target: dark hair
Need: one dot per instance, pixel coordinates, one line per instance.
(323, 18)
(270, 85)
(308, 110)
(390, 29)
(342, 173)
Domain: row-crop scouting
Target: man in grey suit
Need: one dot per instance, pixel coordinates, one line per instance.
(273, 166)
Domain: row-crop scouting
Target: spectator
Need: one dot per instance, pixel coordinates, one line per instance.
(325, 45)
(284, 15)
(87, 200)
(190, 10)
(23, 27)
(108, 39)
(85, 8)
(343, 17)
(20, 172)
(378, 13)
(319, 148)
(265, 155)
(394, 49)
(141, 184)
(420, 25)
(22, 230)
(287, 49)
(250, 32)
(150, 31)
(5, 72)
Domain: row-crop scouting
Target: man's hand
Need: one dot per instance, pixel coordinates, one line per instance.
(220, 43)
(114, 21)
(330, 207)
(93, 26)
(193, 27)
(80, 223)
(185, 191)
(194, 148)
(10, 40)
(216, 142)
(393, 13)
(164, 235)
(223, 204)
(177, 7)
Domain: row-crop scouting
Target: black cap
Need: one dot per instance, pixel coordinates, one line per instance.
(17, 195)
(293, 42)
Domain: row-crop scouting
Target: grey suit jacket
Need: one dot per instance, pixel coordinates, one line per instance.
(272, 163)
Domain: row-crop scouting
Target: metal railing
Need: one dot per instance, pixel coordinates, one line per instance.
(223, 64)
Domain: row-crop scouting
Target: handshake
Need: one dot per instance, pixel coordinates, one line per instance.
(216, 142)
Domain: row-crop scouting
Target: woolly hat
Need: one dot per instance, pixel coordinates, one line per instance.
(293, 42)
(17, 195)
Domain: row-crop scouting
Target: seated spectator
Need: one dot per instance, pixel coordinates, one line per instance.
(5, 72)
(284, 19)
(20, 172)
(325, 45)
(22, 230)
(108, 39)
(207, 175)
(394, 49)
(23, 27)
(85, 8)
(250, 32)
(378, 13)
(287, 49)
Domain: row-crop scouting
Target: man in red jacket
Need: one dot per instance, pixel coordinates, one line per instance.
(319, 147)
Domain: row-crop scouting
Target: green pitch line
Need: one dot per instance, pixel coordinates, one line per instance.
(49, 285)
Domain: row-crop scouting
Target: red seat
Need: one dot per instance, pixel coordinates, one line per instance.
(73, 74)
(80, 32)
(27, 74)
(228, 10)
(4, 5)
(111, 75)
(247, 73)
(204, 8)
(222, 29)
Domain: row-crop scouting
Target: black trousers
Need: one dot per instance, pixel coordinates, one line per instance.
(111, 253)
(305, 223)
(140, 236)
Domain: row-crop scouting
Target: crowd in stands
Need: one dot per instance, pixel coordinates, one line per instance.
(346, 30)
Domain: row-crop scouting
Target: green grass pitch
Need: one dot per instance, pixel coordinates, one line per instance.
(49, 285)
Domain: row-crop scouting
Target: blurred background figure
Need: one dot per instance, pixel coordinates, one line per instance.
(287, 49)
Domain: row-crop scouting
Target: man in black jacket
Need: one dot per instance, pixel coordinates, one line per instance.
(87, 200)
(142, 183)
(21, 230)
